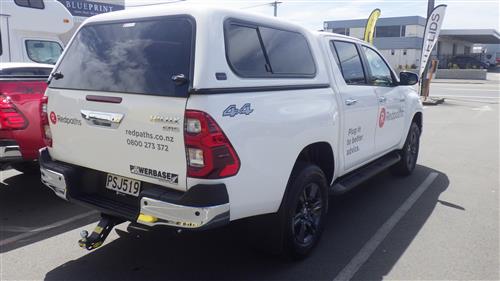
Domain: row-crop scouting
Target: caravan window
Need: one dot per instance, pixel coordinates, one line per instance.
(43, 51)
(37, 4)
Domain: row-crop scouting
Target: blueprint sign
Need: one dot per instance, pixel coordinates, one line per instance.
(82, 8)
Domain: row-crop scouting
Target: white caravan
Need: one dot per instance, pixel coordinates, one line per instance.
(30, 29)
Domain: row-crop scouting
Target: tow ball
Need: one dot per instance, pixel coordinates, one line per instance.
(100, 233)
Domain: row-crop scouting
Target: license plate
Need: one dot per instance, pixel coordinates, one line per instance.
(123, 185)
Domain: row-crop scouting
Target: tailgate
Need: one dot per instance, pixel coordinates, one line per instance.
(141, 137)
(117, 102)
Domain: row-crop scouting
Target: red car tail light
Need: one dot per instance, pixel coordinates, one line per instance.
(10, 117)
(209, 153)
(44, 122)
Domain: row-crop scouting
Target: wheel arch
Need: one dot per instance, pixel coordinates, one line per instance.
(418, 119)
(319, 153)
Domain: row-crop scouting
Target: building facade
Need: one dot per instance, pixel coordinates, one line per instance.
(399, 39)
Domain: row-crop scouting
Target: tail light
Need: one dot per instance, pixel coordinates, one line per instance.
(10, 117)
(209, 153)
(44, 122)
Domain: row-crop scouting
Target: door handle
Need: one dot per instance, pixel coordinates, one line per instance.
(350, 101)
(402, 99)
(105, 119)
(382, 99)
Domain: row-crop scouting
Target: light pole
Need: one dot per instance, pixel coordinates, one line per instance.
(275, 5)
(430, 6)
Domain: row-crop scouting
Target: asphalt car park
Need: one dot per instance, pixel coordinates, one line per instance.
(442, 222)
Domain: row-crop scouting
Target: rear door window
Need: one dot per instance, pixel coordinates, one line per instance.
(130, 57)
(350, 63)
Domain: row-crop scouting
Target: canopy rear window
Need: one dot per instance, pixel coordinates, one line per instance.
(130, 57)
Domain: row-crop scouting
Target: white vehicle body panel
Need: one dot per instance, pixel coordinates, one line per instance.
(264, 143)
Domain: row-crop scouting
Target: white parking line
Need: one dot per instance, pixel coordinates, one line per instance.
(364, 254)
(467, 96)
(472, 89)
(36, 231)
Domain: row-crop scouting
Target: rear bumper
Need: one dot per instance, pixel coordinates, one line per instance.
(10, 151)
(201, 207)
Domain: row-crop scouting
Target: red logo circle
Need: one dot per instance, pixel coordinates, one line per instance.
(381, 118)
(53, 118)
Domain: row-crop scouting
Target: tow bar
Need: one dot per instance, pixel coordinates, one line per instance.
(100, 233)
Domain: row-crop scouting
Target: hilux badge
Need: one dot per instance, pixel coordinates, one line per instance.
(164, 119)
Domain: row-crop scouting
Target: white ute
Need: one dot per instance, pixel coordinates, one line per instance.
(192, 117)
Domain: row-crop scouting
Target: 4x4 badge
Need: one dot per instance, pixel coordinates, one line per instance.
(232, 110)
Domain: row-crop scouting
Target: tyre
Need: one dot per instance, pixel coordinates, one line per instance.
(303, 212)
(409, 153)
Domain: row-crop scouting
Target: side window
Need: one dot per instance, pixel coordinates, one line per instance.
(43, 51)
(244, 51)
(256, 51)
(22, 3)
(1, 45)
(288, 52)
(350, 63)
(334, 52)
(37, 4)
(380, 73)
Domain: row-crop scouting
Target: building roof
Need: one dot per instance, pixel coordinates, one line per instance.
(480, 36)
(410, 20)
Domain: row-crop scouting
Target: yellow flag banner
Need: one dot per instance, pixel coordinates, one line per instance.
(370, 26)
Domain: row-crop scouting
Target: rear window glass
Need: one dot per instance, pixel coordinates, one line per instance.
(42, 72)
(130, 57)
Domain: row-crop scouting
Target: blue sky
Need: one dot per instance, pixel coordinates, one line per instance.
(459, 15)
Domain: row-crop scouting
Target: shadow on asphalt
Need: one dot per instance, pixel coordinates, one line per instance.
(222, 254)
(26, 205)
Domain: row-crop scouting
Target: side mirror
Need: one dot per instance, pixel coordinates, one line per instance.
(408, 78)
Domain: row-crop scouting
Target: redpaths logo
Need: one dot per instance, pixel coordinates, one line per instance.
(53, 118)
(381, 118)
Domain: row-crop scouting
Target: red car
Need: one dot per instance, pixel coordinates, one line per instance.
(22, 86)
